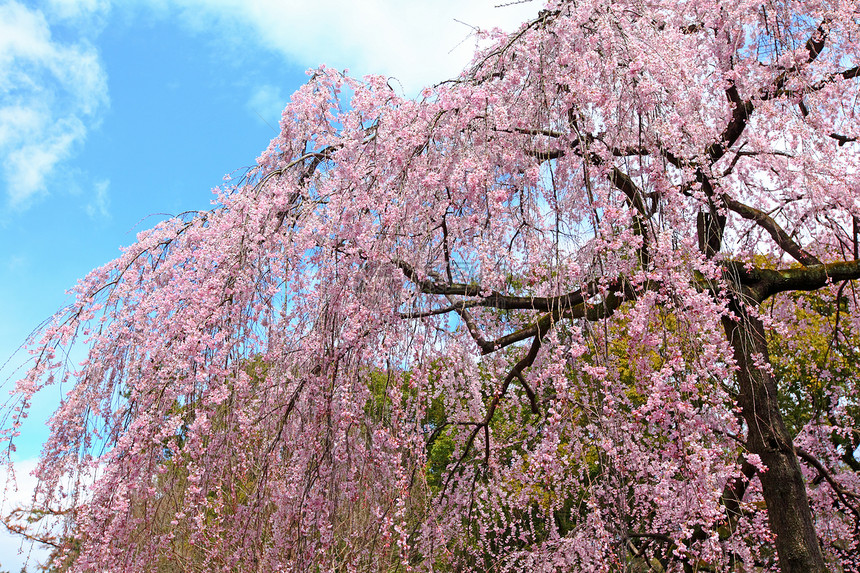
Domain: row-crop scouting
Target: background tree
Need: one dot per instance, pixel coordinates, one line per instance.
(524, 322)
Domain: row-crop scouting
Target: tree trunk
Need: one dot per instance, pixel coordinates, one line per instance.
(783, 487)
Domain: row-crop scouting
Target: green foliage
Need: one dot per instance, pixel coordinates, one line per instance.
(815, 357)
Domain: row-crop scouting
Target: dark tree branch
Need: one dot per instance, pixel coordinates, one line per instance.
(499, 301)
(545, 155)
(855, 228)
(446, 249)
(783, 486)
(515, 373)
(842, 139)
(842, 493)
(848, 74)
(767, 223)
(22, 530)
(814, 46)
(529, 392)
(741, 112)
(428, 286)
(456, 307)
(733, 493)
(815, 43)
(634, 196)
(765, 283)
(656, 536)
(743, 109)
(485, 346)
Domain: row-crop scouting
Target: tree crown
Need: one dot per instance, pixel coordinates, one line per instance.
(509, 325)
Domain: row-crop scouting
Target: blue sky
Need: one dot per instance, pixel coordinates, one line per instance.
(113, 114)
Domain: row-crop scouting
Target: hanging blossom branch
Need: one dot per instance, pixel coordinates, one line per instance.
(272, 368)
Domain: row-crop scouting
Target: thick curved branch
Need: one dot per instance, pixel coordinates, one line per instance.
(516, 373)
(428, 286)
(815, 43)
(743, 109)
(569, 305)
(817, 86)
(764, 283)
(498, 300)
(623, 182)
(741, 112)
(485, 346)
(767, 223)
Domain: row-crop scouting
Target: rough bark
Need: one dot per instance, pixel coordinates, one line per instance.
(783, 486)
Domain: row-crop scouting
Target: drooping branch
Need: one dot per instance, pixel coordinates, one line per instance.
(516, 373)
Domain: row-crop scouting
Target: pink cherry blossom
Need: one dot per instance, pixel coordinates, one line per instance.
(589, 306)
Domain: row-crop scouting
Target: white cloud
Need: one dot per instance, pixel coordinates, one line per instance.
(29, 164)
(17, 122)
(51, 93)
(77, 9)
(99, 206)
(419, 42)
